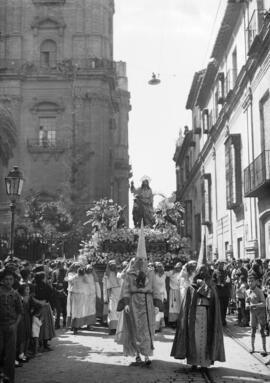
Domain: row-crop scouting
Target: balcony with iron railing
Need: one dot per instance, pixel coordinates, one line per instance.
(36, 145)
(257, 176)
(254, 26)
(67, 67)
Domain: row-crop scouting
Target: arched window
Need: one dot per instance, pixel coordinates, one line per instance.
(48, 53)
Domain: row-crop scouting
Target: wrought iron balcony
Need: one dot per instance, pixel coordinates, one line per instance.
(48, 146)
(257, 176)
(254, 26)
(67, 67)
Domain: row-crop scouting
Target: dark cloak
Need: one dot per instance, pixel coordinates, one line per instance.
(184, 340)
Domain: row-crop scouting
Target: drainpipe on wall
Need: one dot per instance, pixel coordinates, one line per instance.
(252, 159)
(231, 233)
(227, 133)
(216, 203)
(246, 105)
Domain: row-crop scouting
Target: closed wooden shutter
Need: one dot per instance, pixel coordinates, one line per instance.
(266, 124)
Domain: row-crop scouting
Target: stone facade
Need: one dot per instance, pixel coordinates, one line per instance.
(223, 162)
(68, 98)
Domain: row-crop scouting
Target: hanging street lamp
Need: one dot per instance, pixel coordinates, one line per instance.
(14, 183)
(154, 80)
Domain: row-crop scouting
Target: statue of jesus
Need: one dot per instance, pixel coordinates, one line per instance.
(143, 204)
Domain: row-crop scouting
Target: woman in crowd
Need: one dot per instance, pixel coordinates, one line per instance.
(44, 295)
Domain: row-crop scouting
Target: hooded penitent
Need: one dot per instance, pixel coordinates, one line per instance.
(140, 294)
(199, 294)
(139, 265)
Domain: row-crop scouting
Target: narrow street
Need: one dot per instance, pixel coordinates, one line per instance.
(94, 356)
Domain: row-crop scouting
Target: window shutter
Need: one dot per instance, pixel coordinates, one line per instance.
(206, 199)
(188, 215)
(233, 171)
(220, 88)
(205, 119)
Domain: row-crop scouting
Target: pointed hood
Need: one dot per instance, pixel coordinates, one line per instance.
(202, 255)
(141, 249)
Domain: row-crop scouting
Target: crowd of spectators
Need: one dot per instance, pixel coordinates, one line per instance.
(32, 298)
(33, 302)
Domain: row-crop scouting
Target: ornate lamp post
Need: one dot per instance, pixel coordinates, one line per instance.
(14, 184)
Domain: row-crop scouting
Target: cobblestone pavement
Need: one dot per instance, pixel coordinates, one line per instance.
(242, 336)
(93, 356)
(241, 366)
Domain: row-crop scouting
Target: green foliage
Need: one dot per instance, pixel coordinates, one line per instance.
(48, 217)
(48, 222)
(104, 215)
(109, 238)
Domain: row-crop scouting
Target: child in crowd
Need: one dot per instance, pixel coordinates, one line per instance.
(11, 313)
(241, 288)
(36, 324)
(255, 301)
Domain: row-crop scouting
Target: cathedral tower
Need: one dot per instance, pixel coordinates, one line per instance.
(68, 98)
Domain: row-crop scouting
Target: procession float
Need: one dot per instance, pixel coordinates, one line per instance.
(163, 227)
(48, 230)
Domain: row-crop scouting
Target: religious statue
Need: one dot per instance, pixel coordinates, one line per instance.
(143, 203)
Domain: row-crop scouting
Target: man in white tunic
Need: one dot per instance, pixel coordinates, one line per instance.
(161, 285)
(174, 294)
(111, 294)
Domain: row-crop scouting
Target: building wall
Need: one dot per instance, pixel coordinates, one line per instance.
(240, 218)
(78, 84)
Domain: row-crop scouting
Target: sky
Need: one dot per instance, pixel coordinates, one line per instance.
(174, 39)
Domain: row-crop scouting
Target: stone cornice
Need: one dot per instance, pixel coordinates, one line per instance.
(193, 93)
(6, 98)
(228, 23)
(54, 105)
(51, 21)
(49, 2)
(96, 96)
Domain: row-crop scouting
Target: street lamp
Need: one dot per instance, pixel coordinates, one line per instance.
(14, 184)
(154, 80)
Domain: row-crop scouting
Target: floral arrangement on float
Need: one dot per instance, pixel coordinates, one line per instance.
(104, 215)
(111, 239)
